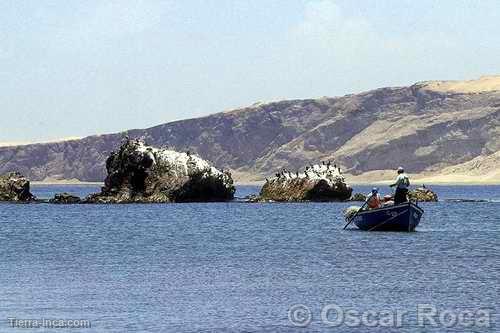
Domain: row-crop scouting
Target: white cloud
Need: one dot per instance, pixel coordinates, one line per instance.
(333, 47)
(334, 51)
(326, 28)
(120, 18)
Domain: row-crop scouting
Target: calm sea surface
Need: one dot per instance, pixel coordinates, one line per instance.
(238, 267)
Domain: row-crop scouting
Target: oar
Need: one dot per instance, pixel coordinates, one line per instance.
(352, 218)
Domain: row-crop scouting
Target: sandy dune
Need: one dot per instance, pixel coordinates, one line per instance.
(73, 181)
(387, 176)
(483, 84)
(23, 143)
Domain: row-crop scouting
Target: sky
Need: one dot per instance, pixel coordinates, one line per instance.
(75, 68)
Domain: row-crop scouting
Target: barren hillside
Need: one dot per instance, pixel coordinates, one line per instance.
(431, 127)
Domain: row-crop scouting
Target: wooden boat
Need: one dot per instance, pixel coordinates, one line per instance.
(403, 217)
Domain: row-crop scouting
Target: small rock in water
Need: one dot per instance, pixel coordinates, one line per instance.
(15, 187)
(358, 197)
(65, 198)
(423, 194)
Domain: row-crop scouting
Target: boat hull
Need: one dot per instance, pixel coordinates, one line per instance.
(403, 217)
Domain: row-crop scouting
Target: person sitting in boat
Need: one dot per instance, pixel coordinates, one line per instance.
(388, 200)
(373, 200)
(402, 183)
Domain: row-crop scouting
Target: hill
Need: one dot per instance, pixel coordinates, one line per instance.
(431, 128)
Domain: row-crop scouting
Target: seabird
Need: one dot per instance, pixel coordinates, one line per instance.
(297, 173)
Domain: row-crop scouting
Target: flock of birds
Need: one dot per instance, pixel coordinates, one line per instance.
(311, 171)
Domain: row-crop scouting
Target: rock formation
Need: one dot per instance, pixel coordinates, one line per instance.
(65, 198)
(358, 197)
(422, 194)
(139, 173)
(15, 187)
(322, 182)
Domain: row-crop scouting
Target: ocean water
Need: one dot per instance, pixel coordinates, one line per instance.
(240, 267)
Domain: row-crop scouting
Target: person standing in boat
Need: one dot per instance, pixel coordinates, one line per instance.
(402, 183)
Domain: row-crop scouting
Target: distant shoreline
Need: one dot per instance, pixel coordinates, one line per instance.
(492, 177)
(363, 179)
(415, 182)
(386, 177)
(65, 182)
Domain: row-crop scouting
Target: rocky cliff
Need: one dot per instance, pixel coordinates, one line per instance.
(140, 173)
(15, 187)
(425, 127)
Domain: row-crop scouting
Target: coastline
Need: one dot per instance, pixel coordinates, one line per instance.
(65, 182)
(387, 177)
(382, 177)
(414, 181)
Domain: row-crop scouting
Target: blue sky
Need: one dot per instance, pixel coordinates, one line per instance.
(75, 68)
